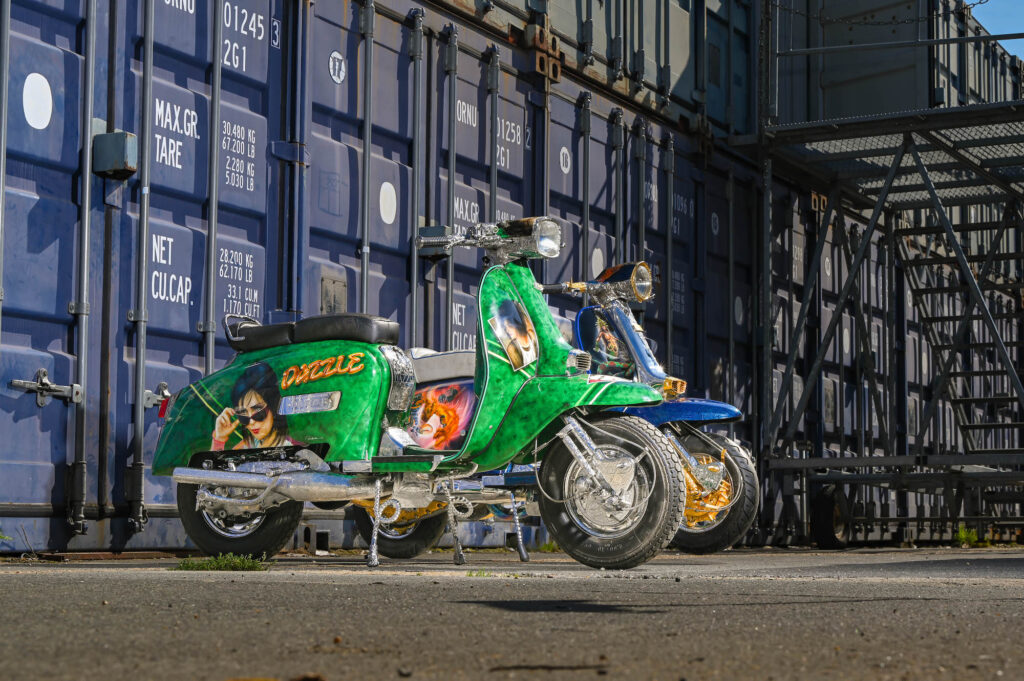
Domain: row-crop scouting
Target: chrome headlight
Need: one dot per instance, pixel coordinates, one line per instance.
(628, 281)
(548, 236)
(403, 380)
(643, 282)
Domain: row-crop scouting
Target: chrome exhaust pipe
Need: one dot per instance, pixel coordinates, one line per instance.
(295, 485)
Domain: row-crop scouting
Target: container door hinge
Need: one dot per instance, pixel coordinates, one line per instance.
(494, 70)
(44, 389)
(665, 80)
(451, 50)
(639, 67)
(584, 104)
(587, 43)
(616, 62)
(416, 37)
(152, 399)
(290, 152)
(367, 15)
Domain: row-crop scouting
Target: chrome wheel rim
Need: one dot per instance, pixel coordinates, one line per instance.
(233, 527)
(593, 515)
(390, 532)
(708, 525)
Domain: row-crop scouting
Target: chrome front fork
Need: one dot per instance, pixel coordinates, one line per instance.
(586, 453)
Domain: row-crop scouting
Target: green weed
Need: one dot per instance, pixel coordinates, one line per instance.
(479, 573)
(968, 538)
(224, 562)
(548, 547)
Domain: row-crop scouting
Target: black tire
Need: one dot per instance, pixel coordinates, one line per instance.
(830, 518)
(659, 479)
(272, 533)
(401, 543)
(730, 525)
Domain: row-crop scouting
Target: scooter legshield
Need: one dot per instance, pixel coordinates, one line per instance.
(332, 392)
(522, 368)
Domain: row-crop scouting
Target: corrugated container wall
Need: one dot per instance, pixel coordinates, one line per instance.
(463, 126)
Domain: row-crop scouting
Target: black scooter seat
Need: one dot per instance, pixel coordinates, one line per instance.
(245, 336)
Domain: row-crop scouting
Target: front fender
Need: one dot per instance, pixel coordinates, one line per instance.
(693, 410)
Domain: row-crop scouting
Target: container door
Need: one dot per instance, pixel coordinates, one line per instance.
(477, 87)
(338, 88)
(253, 245)
(40, 256)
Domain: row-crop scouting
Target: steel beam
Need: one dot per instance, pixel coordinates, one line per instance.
(877, 125)
(863, 338)
(811, 281)
(898, 44)
(844, 295)
(972, 283)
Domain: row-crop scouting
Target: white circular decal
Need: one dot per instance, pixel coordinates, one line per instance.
(388, 203)
(828, 266)
(714, 224)
(846, 340)
(337, 65)
(37, 101)
(565, 161)
(737, 311)
(596, 262)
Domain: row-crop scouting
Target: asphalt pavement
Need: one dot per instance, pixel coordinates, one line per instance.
(743, 614)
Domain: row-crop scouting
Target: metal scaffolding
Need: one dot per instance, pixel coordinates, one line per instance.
(909, 172)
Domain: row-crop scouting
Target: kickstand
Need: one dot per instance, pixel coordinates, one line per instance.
(453, 526)
(520, 546)
(372, 559)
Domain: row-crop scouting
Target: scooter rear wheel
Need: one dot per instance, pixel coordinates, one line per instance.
(599, 535)
(261, 534)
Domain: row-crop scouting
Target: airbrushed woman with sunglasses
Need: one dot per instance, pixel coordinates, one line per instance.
(256, 397)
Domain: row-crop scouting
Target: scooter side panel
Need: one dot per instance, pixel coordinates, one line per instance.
(695, 411)
(328, 391)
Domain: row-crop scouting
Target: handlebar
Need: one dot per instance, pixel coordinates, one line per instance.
(573, 288)
(437, 241)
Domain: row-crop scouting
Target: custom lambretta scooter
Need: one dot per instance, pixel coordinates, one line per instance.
(719, 474)
(312, 411)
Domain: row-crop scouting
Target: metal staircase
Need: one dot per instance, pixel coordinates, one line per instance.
(975, 350)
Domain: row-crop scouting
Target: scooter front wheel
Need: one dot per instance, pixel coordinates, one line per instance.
(705, 529)
(258, 534)
(647, 478)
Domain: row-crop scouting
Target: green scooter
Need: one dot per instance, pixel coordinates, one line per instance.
(312, 411)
